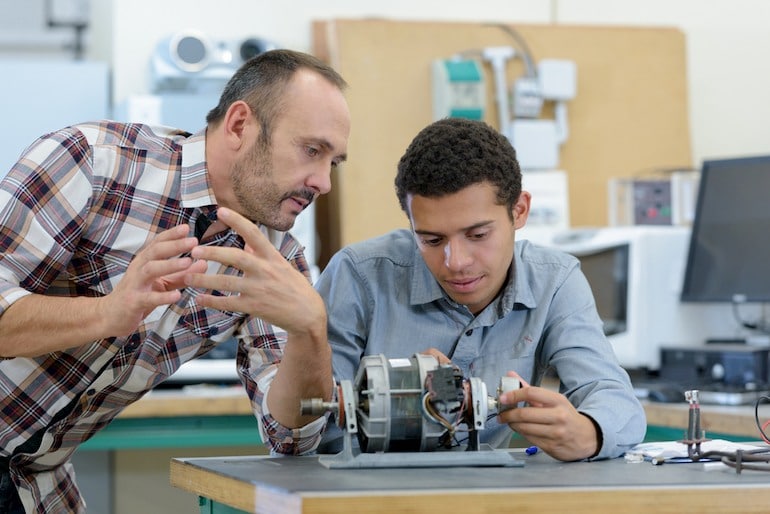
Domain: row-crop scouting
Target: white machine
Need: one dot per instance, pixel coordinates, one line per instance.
(549, 208)
(459, 90)
(191, 61)
(636, 274)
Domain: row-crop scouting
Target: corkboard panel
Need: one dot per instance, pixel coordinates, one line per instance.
(629, 116)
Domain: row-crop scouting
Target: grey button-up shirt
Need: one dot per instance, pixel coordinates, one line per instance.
(382, 299)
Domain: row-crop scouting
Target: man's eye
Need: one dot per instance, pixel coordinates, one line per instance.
(312, 151)
(431, 242)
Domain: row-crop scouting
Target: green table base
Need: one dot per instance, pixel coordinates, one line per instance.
(656, 433)
(176, 432)
(212, 507)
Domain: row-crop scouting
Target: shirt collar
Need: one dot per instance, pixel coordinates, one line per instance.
(195, 185)
(518, 290)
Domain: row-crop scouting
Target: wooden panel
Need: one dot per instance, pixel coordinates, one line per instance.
(630, 114)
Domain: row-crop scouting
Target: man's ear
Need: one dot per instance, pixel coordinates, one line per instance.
(521, 210)
(238, 125)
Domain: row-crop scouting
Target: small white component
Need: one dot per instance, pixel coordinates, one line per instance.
(536, 143)
(527, 98)
(558, 79)
(458, 89)
(506, 384)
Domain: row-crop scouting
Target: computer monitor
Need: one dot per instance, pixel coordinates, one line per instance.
(634, 273)
(729, 250)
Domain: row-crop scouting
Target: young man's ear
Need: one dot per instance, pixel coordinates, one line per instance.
(521, 210)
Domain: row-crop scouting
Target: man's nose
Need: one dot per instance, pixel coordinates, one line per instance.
(457, 255)
(321, 180)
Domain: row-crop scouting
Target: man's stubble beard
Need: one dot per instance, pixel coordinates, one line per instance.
(258, 197)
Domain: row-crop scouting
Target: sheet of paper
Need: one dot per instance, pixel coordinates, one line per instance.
(675, 450)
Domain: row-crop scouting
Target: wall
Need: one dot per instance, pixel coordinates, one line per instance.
(290, 27)
(612, 130)
(726, 43)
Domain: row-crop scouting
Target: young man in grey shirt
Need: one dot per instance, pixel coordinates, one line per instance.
(458, 286)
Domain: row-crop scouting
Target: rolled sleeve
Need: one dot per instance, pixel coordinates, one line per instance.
(9, 294)
(258, 363)
(290, 441)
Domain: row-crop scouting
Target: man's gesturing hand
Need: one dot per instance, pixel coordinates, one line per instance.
(153, 278)
(270, 288)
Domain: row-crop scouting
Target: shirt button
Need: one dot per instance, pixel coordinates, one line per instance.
(469, 332)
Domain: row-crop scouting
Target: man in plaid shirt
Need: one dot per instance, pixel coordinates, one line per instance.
(127, 250)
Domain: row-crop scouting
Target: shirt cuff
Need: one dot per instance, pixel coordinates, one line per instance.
(290, 441)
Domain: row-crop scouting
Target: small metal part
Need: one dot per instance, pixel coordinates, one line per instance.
(316, 407)
(506, 384)
(478, 394)
(695, 435)
(694, 431)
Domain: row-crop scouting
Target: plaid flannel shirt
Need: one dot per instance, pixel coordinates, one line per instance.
(74, 210)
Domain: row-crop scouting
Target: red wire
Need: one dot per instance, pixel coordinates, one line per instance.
(764, 427)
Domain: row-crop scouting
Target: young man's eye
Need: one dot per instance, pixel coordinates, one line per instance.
(434, 241)
(312, 151)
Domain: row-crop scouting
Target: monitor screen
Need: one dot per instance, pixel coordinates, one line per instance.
(607, 274)
(729, 253)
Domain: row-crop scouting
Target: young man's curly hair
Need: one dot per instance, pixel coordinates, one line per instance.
(454, 153)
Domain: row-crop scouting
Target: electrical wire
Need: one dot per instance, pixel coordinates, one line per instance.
(755, 460)
(432, 414)
(529, 60)
(761, 426)
(759, 326)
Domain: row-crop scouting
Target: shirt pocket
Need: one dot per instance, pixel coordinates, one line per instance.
(197, 332)
(98, 273)
(494, 364)
(210, 324)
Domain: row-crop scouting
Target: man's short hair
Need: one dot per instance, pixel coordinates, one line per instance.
(261, 81)
(454, 153)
